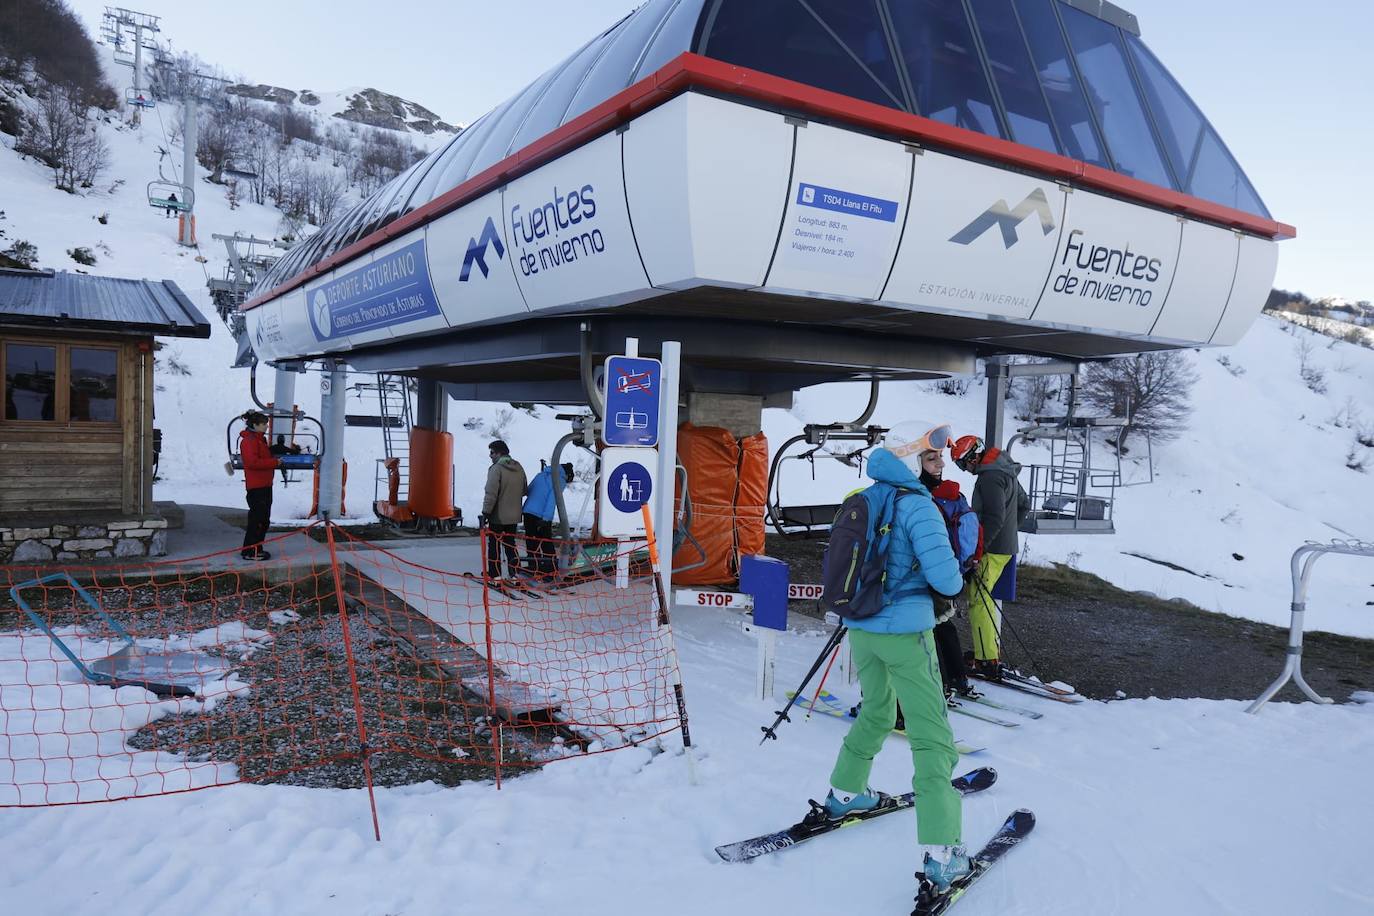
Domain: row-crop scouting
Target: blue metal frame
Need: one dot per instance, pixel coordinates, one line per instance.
(57, 640)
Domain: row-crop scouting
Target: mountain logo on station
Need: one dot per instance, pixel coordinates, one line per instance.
(1008, 219)
(477, 251)
(320, 306)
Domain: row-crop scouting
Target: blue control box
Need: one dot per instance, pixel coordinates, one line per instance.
(766, 579)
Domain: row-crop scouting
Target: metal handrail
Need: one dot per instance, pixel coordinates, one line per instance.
(1307, 555)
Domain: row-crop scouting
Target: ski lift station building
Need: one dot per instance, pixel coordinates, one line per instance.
(799, 191)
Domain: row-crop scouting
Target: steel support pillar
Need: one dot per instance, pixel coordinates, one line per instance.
(333, 400)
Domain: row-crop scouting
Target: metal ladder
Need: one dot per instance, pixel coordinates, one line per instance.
(393, 398)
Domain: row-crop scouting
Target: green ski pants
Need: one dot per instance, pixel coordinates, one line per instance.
(893, 667)
(985, 620)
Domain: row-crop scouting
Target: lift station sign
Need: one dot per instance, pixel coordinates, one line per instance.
(836, 231)
(627, 485)
(632, 401)
(392, 289)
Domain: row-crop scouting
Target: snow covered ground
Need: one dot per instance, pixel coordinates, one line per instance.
(1143, 806)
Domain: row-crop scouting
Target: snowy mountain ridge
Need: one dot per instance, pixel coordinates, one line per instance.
(361, 105)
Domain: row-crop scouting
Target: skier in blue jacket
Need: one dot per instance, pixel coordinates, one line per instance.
(895, 655)
(539, 510)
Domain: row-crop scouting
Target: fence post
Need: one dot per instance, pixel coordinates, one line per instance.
(1308, 554)
(492, 719)
(352, 676)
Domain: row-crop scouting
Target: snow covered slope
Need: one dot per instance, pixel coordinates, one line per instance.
(1262, 469)
(1143, 807)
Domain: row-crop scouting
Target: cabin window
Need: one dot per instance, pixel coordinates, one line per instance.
(93, 383)
(60, 383)
(30, 382)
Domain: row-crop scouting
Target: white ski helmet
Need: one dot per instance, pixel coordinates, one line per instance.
(908, 439)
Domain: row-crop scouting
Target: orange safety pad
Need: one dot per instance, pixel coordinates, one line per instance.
(711, 457)
(315, 492)
(431, 473)
(751, 495)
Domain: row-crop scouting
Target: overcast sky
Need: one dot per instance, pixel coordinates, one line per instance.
(1286, 84)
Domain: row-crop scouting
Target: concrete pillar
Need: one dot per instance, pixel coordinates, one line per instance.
(333, 401)
(741, 414)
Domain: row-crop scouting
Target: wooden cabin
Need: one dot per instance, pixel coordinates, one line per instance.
(76, 437)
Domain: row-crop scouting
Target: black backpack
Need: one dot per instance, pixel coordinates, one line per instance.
(855, 563)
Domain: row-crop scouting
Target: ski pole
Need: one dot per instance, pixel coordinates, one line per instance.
(820, 688)
(770, 731)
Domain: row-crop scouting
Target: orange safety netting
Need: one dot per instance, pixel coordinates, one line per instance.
(336, 663)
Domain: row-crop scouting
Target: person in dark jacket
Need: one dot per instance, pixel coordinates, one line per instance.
(501, 504)
(258, 465)
(539, 510)
(1000, 504)
(280, 448)
(946, 633)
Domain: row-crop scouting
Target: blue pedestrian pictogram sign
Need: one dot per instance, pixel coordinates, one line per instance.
(630, 486)
(626, 486)
(631, 401)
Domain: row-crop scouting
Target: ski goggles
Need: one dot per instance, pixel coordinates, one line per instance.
(936, 439)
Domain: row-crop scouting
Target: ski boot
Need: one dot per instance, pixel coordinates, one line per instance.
(940, 869)
(966, 691)
(838, 807)
(989, 669)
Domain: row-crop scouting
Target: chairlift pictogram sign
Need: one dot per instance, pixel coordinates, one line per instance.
(632, 384)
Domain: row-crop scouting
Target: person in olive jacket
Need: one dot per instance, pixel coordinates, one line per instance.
(258, 465)
(501, 504)
(1000, 504)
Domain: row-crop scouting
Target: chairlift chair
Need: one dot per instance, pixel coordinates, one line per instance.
(808, 520)
(311, 441)
(159, 196)
(241, 174)
(139, 98)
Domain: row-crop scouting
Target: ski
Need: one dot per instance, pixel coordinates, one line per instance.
(830, 705)
(1016, 828)
(816, 823)
(489, 583)
(957, 705)
(1005, 707)
(1032, 687)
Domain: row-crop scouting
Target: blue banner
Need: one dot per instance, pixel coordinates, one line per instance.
(392, 289)
(811, 195)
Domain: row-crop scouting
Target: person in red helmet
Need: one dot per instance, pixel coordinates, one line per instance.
(258, 465)
(1000, 504)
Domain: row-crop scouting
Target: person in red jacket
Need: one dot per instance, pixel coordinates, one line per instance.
(258, 465)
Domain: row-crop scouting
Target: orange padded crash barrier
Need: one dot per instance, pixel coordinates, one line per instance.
(390, 507)
(726, 480)
(431, 473)
(751, 496)
(315, 492)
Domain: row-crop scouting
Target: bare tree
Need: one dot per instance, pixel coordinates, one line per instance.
(1031, 393)
(1153, 389)
(59, 134)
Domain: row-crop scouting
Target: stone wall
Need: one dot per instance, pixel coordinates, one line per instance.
(124, 539)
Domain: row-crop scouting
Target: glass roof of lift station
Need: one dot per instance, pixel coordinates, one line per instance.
(1070, 77)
